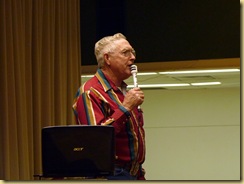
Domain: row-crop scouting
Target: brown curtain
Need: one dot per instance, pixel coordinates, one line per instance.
(39, 76)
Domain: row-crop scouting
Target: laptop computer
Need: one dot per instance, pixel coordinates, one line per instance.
(78, 151)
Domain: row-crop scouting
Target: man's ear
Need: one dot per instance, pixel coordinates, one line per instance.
(107, 59)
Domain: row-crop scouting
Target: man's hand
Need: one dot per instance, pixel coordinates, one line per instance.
(133, 98)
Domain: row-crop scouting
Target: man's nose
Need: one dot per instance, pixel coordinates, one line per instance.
(132, 56)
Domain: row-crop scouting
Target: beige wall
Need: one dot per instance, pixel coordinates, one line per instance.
(192, 134)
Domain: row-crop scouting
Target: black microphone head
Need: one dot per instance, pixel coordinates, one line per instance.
(133, 68)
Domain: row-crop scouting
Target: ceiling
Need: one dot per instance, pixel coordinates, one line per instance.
(226, 79)
(230, 79)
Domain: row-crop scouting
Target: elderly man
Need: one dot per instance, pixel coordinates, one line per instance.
(104, 100)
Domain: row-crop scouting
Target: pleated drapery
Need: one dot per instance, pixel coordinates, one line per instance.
(39, 76)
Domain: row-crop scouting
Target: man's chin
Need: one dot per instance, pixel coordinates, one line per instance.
(127, 76)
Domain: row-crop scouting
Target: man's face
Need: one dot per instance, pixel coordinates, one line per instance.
(122, 57)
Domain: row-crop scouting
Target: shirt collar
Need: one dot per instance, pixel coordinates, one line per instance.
(106, 82)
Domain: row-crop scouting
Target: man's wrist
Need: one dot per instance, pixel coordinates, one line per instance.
(125, 110)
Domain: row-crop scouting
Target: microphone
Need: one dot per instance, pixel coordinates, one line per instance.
(133, 69)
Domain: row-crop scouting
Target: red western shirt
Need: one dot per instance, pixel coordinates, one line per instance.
(99, 102)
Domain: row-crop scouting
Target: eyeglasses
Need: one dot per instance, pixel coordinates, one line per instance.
(128, 52)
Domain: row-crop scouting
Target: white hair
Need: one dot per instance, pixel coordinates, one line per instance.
(104, 46)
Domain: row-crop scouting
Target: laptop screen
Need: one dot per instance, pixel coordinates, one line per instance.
(78, 151)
